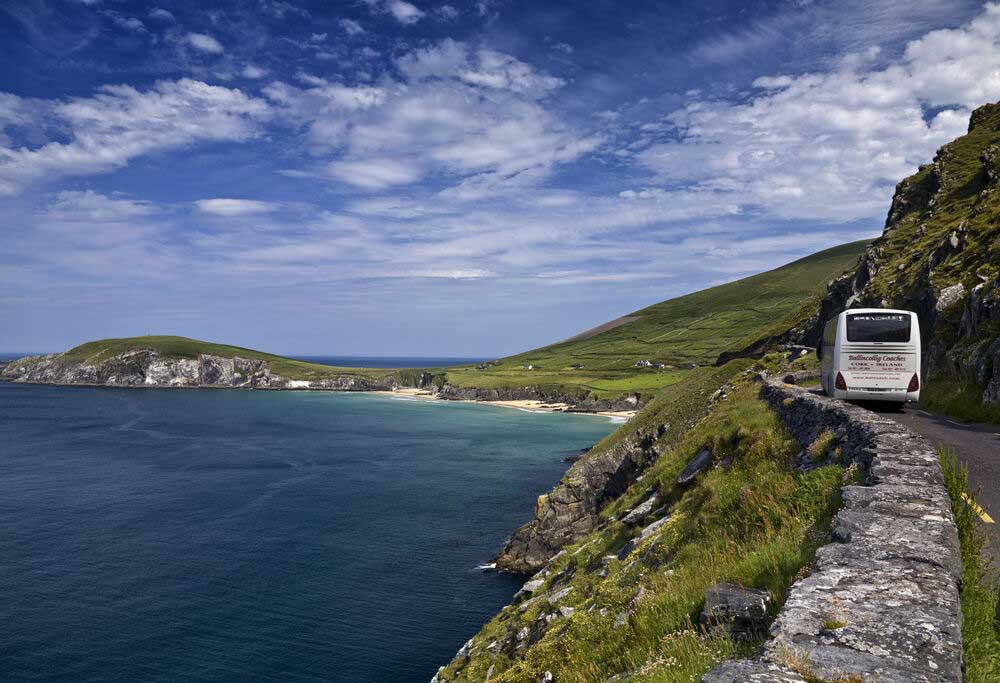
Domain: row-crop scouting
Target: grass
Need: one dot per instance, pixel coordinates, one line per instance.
(691, 329)
(980, 592)
(961, 399)
(756, 522)
(168, 346)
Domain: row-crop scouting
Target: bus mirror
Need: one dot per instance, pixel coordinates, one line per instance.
(819, 351)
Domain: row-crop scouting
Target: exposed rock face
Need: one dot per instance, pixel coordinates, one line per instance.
(147, 368)
(882, 603)
(738, 612)
(570, 510)
(698, 464)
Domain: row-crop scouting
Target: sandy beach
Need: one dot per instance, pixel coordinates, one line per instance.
(528, 405)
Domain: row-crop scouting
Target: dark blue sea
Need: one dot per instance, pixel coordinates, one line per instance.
(207, 535)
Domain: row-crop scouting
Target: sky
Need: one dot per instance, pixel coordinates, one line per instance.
(395, 177)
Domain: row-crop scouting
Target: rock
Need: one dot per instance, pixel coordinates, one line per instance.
(949, 296)
(566, 611)
(641, 511)
(751, 671)
(546, 677)
(739, 612)
(559, 595)
(991, 163)
(696, 466)
(572, 509)
(643, 535)
(528, 588)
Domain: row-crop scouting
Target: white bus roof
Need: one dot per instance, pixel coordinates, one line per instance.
(875, 310)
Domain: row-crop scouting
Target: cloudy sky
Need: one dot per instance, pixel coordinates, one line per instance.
(375, 177)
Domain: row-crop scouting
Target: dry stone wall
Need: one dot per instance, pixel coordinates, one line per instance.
(882, 602)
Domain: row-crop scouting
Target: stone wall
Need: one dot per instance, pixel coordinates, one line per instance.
(882, 601)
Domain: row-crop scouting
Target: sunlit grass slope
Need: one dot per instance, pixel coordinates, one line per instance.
(691, 329)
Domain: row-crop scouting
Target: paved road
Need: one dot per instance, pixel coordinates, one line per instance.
(978, 446)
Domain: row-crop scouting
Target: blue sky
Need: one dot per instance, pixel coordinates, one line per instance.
(384, 177)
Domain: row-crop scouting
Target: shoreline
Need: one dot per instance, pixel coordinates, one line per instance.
(404, 393)
(526, 405)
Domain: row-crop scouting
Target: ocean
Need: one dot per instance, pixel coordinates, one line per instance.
(207, 535)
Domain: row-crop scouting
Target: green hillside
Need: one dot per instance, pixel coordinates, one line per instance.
(691, 329)
(169, 346)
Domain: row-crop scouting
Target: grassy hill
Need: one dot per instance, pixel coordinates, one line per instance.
(169, 346)
(691, 329)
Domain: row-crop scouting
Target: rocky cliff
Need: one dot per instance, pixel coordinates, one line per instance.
(148, 368)
(572, 509)
(939, 255)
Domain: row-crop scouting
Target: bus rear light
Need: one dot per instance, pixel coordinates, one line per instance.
(840, 383)
(914, 383)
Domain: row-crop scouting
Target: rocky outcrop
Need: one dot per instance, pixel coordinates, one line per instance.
(146, 368)
(882, 602)
(570, 510)
(938, 256)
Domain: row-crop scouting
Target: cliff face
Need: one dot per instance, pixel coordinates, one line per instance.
(148, 368)
(572, 509)
(939, 255)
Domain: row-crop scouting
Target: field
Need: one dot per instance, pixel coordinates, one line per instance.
(679, 333)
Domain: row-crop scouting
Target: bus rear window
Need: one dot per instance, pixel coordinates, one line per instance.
(878, 327)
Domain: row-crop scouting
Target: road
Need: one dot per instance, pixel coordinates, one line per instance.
(977, 446)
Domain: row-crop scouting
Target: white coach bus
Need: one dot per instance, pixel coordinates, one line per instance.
(871, 354)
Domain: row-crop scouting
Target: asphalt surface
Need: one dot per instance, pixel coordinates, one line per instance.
(976, 445)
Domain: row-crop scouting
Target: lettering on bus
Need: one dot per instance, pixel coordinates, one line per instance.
(877, 362)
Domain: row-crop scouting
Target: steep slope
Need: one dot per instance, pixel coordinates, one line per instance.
(693, 329)
(940, 256)
(722, 502)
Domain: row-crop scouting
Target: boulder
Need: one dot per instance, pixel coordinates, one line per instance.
(738, 612)
(696, 466)
(949, 296)
(528, 588)
(643, 535)
(641, 511)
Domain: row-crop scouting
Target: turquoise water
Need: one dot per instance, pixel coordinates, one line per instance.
(228, 535)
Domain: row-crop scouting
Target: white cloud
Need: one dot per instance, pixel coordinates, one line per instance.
(251, 71)
(831, 145)
(447, 12)
(404, 12)
(119, 123)
(375, 173)
(351, 27)
(235, 207)
(91, 206)
(474, 115)
(205, 43)
(161, 14)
